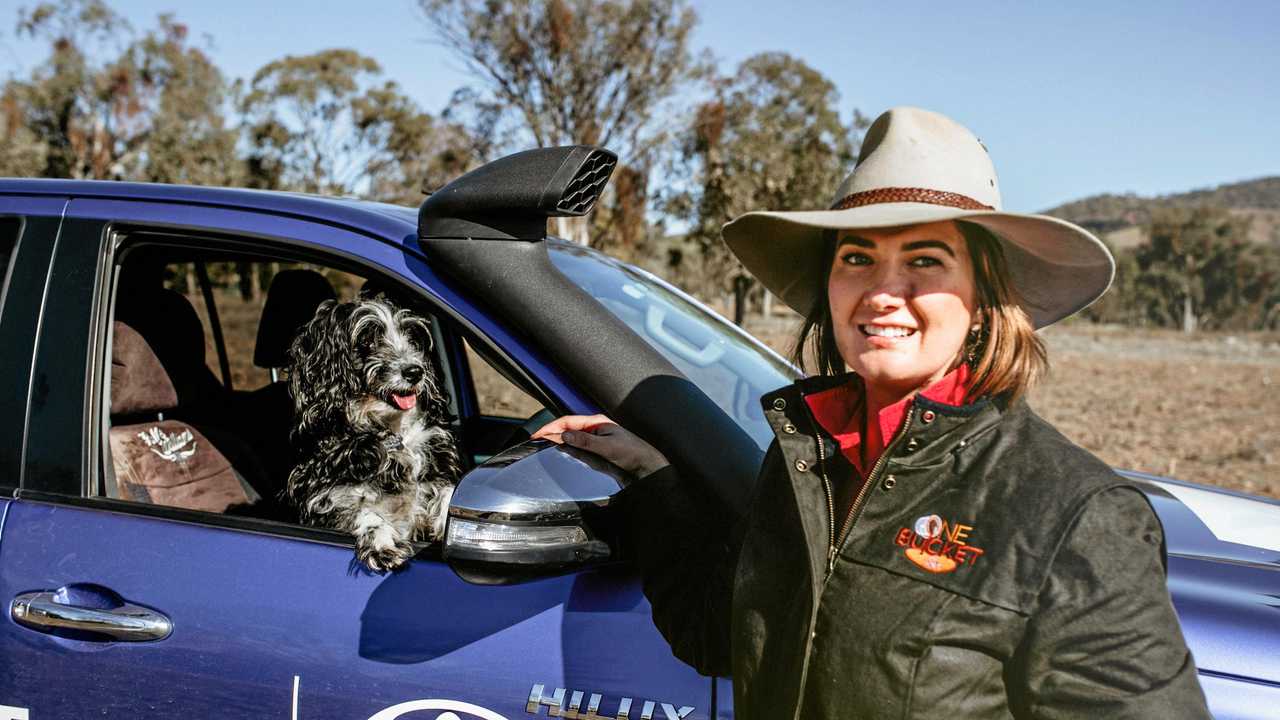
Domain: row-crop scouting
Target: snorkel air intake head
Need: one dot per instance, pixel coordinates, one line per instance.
(512, 197)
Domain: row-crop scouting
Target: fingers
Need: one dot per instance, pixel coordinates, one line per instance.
(600, 435)
(554, 429)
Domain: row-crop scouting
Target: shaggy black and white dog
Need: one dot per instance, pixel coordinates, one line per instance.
(374, 457)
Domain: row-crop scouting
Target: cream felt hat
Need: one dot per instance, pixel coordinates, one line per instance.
(916, 167)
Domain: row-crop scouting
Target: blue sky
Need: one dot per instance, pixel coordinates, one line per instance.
(1071, 99)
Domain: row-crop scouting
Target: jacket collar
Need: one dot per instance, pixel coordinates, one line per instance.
(935, 435)
(935, 427)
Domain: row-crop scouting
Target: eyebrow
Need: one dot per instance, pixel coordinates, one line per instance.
(915, 245)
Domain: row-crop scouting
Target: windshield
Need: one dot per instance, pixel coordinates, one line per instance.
(731, 367)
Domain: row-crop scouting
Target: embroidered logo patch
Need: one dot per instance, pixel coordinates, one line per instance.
(170, 447)
(936, 545)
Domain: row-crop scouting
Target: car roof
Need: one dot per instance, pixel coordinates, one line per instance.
(382, 218)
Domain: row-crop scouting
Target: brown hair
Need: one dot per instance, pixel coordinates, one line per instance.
(1008, 357)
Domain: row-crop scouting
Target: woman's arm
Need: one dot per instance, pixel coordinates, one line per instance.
(1104, 640)
(683, 545)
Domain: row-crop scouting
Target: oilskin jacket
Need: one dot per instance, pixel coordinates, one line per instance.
(989, 568)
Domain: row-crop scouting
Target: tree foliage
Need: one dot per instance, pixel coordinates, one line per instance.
(558, 72)
(1198, 270)
(107, 105)
(327, 123)
(772, 138)
(565, 72)
(1191, 265)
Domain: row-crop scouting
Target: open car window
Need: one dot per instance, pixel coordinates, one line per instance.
(237, 295)
(197, 409)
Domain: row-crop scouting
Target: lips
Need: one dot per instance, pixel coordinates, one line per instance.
(404, 402)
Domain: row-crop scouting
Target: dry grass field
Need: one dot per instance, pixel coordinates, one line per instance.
(1203, 408)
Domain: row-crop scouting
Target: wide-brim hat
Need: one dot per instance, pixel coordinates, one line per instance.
(917, 167)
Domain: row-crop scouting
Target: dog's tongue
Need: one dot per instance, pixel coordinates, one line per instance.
(405, 402)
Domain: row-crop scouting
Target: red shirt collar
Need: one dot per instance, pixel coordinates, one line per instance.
(840, 412)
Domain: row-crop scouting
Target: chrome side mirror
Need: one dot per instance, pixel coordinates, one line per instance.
(534, 510)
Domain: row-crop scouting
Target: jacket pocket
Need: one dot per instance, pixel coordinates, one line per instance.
(961, 662)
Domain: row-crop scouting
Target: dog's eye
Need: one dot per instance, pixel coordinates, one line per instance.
(366, 341)
(418, 333)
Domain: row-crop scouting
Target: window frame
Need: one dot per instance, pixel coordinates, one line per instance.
(114, 238)
(25, 280)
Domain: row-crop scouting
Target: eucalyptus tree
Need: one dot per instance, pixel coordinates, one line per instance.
(773, 137)
(107, 104)
(561, 72)
(329, 123)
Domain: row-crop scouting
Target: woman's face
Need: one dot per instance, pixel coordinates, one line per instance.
(902, 301)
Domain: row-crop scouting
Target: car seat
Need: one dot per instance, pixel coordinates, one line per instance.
(291, 302)
(161, 460)
(175, 334)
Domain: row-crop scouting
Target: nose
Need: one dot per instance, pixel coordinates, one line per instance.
(889, 289)
(412, 373)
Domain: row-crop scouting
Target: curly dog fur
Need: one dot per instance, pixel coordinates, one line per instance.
(376, 459)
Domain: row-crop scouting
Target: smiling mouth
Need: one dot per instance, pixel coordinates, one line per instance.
(404, 402)
(882, 331)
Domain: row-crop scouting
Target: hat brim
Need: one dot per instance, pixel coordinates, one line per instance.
(1056, 268)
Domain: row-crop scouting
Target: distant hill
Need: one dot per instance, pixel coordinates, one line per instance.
(1120, 218)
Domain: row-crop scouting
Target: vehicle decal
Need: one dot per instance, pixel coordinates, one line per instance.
(573, 709)
(936, 545)
(451, 708)
(1230, 518)
(170, 447)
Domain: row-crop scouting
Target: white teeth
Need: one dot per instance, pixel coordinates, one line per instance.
(882, 331)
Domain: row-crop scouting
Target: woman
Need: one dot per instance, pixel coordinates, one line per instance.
(919, 540)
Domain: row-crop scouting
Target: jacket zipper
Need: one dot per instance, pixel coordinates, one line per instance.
(826, 486)
(859, 500)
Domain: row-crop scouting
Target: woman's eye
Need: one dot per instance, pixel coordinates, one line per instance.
(924, 261)
(856, 258)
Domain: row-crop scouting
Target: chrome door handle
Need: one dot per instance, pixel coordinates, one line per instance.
(130, 623)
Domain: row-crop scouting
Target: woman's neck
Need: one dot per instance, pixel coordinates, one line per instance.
(879, 397)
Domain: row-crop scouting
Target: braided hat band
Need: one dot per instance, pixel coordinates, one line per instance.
(908, 194)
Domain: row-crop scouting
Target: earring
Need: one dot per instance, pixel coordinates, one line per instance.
(973, 344)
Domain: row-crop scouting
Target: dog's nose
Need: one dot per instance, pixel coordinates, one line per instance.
(412, 373)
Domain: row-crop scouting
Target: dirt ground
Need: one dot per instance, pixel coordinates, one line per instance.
(1202, 408)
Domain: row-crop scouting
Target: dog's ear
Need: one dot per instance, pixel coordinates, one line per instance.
(434, 401)
(323, 375)
(433, 398)
(418, 328)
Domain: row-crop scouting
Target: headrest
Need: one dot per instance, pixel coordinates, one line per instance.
(139, 383)
(291, 303)
(167, 318)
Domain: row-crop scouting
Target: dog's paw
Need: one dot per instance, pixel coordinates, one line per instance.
(436, 509)
(382, 549)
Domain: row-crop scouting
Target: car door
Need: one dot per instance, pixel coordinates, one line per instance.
(196, 614)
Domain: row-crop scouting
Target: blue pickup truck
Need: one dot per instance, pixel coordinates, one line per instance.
(138, 602)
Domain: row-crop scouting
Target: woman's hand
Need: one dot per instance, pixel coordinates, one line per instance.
(602, 436)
